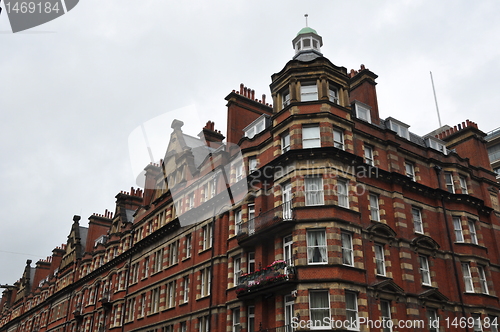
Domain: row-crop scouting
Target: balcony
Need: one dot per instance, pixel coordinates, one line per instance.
(265, 220)
(269, 277)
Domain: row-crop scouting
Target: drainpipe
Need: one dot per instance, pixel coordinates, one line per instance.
(450, 243)
(126, 289)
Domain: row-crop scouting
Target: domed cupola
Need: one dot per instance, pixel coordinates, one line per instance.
(307, 44)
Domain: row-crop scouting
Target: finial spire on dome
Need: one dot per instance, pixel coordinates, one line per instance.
(306, 19)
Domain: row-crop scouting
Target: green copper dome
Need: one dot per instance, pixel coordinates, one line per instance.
(307, 30)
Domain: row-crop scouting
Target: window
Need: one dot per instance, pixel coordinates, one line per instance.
(188, 245)
(457, 226)
(251, 319)
(493, 323)
(251, 218)
(351, 308)
(432, 143)
(310, 137)
(134, 273)
(285, 142)
(185, 289)
(173, 252)
(287, 201)
(448, 180)
(342, 193)
(314, 191)
(400, 129)
(236, 320)
(374, 208)
(285, 96)
(482, 279)
(205, 282)
(433, 320)
(347, 252)
(463, 185)
(380, 259)
(289, 312)
(363, 112)
(417, 220)
(207, 236)
(424, 270)
(155, 300)
(369, 155)
(238, 221)
(385, 310)
(206, 190)
(142, 305)
(477, 323)
(410, 171)
(255, 127)
(469, 287)
(170, 295)
(316, 247)
(146, 267)
(251, 262)
(319, 308)
(236, 270)
(130, 310)
(158, 261)
(252, 164)
(472, 231)
(191, 200)
(333, 95)
(287, 249)
(213, 187)
(239, 171)
(183, 327)
(338, 139)
(308, 92)
(203, 324)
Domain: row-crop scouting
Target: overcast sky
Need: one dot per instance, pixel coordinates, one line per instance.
(73, 90)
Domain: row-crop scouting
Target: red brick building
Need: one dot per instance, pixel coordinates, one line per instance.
(315, 214)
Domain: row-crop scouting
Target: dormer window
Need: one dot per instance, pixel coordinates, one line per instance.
(436, 145)
(399, 127)
(363, 111)
(308, 92)
(256, 127)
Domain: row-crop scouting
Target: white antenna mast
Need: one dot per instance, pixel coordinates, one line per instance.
(306, 19)
(435, 100)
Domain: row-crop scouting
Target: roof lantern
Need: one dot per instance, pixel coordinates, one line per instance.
(307, 44)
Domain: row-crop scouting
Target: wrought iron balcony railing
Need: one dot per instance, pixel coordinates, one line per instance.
(266, 219)
(277, 272)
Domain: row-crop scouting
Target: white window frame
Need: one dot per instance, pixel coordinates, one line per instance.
(448, 180)
(308, 91)
(185, 286)
(466, 274)
(238, 171)
(425, 272)
(477, 323)
(463, 185)
(205, 282)
(314, 190)
(236, 270)
(417, 220)
(352, 313)
(333, 94)
(457, 228)
(347, 249)
(432, 317)
(380, 260)
(312, 246)
(236, 320)
(410, 170)
(251, 262)
(385, 310)
(342, 191)
(482, 279)
(171, 295)
(207, 236)
(252, 164)
(251, 218)
(251, 318)
(472, 231)
(188, 244)
(285, 142)
(325, 312)
(285, 97)
(173, 253)
(238, 220)
(401, 130)
(313, 139)
(338, 139)
(368, 155)
(374, 207)
(363, 112)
